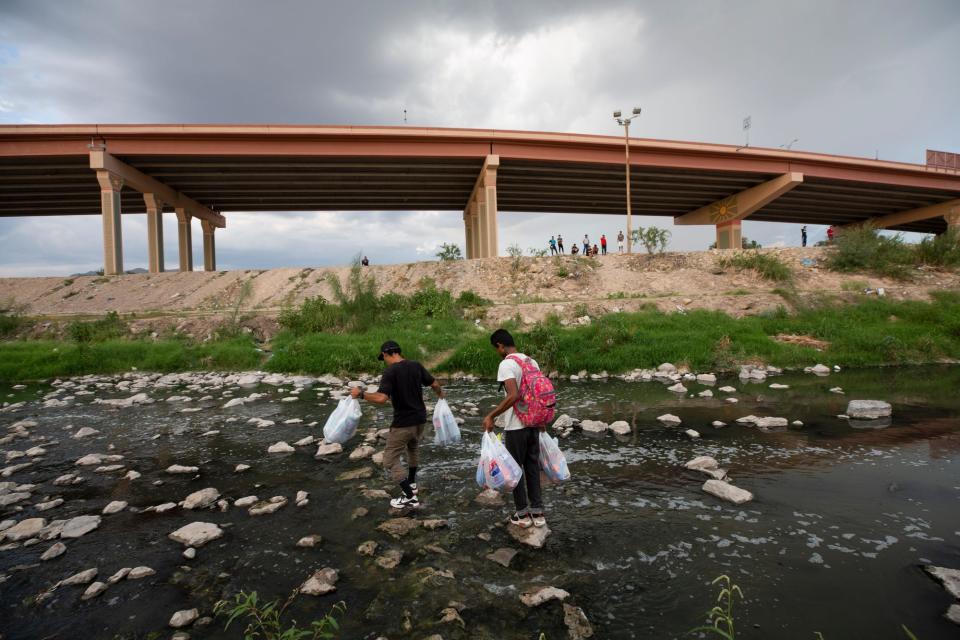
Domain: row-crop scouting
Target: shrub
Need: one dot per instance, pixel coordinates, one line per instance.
(767, 265)
(939, 251)
(652, 238)
(431, 302)
(537, 253)
(110, 326)
(470, 298)
(267, 620)
(11, 317)
(865, 249)
(449, 252)
(314, 315)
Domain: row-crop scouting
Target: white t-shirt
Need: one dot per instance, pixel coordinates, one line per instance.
(509, 368)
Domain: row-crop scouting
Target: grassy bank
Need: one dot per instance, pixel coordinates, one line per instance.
(875, 331)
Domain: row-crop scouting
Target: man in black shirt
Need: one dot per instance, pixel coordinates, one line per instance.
(402, 385)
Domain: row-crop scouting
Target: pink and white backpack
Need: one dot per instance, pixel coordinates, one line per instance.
(538, 399)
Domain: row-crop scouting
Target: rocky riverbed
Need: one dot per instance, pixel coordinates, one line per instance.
(131, 504)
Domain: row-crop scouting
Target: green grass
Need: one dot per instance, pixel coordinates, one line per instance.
(767, 265)
(854, 285)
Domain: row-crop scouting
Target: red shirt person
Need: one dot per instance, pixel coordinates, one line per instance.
(603, 244)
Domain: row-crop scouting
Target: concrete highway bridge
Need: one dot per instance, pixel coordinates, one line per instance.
(204, 171)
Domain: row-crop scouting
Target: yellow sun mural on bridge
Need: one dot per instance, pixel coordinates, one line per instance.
(724, 210)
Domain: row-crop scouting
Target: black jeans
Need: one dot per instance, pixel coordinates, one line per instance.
(524, 446)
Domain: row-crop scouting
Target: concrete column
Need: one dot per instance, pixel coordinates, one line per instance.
(490, 200)
(483, 231)
(185, 239)
(475, 225)
(154, 232)
(110, 186)
(209, 250)
(729, 235)
(953, 219)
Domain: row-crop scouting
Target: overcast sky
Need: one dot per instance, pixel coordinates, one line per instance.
(860, 78)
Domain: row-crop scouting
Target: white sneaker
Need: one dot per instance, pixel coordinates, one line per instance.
(538, 520)
(404, 502)
(413, 488)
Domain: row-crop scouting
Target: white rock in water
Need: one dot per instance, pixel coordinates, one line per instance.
(593, 426)
(953, 613)
(702, 462)
(234, 402)
(163, 508)
(731, 400)
(727, 491)
(620, 427)
(768, 423)
(131, 475)
(869, 409)
(308, 542)
(706, 393)
(83, 577)
(320, 583)
(114, 507)
(546, 594)
(949, 578)
(677, 388)
(140, 572)
(728, 389)
(246, 501)
(280, 447)
(669, 419)
(178, 468)
(240, 468)
(706, 378)
(751, 419)
(820, 370)
(717, 424)
(189, 553)
(56, 550)
(196, 534)
(361, 452)
(85, 432)
(301, 499)
(666, 368)
(94, 590)
(79, 526)
(200, 499)
(838, 390)
(692, 434)
(777, 385)
(119, 575)
(564, 422)
(272, 505)
(796, 423)
(90, 459)
(327, 449)
(303, 442)
(184, 618)
(534, 537)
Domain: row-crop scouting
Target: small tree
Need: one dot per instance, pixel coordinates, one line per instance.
(537, 253)
(515, 253)
(449, 252)
(652, 238)
(747, 243)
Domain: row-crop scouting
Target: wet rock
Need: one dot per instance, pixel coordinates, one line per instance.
(140, 572)
(949, 578)
(593, 426)
(728, 389)
(503, 556)
(85, 432)
(246, 501)
(534, 537)
(83, 577)
(701, 463)
(377, 458)
(184, 618)
(280, 447)
(489, 498)
(620, 427)
(196, 534)
(578, 627)
(677, 388)
(375, 494)
(796, 423)
(706, 393)
(321, 582)
(301, 499)
(304, 442)
(706, 378)
(447, 615)
(94, 590)
(240, 468)
(328, 449)
(564, 422)
(869, 409)
(361, 452)
(114, 507)
(181, 469)
(666, 368)
(434, 523)
(727, 491)
(201, 499)
(163, 508)
(359, 512)
(390, 559)
(357, 474)
(770, 423)
(731, 400)
(119, 575)
(132, 475)
(310, 541)
(368, 548)
(109, 468)
(79, 526)
(89, 460)
(56, 550)
(398, 527)
(837, 390)
(669, 419)
(692, 434)
(13, 498)
(717, 424)
(67, 479)
(819, 369)
(777, 385)
(272, 505)
(189, 553)
(545, 594)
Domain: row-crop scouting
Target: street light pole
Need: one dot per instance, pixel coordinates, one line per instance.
(625, 123)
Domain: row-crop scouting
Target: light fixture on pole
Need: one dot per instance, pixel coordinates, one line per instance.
(625, 123)
(788, 146)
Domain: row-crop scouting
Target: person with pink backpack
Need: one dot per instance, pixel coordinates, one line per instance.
(526, 410)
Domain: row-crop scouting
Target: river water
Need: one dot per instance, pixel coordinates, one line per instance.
(842, 520)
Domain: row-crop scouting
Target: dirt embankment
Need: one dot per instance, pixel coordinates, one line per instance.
(196, 303)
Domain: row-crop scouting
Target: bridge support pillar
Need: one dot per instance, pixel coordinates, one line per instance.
(110, 186)
(209, 249)
(154, 232)
(480, 215)
(953, 220)
(729, 235)
(185, 239)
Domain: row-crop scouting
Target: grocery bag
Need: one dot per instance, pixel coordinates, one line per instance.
(342, 423)
(552, 462)
(500, 471)
(445, 426)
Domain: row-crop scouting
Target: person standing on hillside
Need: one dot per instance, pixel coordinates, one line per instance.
(553, 246)
(402, 385)
(803, 236)
(586, 244)
(620, 241)
(603, 243)
(560, 243)
(521, 441)
(830, 234)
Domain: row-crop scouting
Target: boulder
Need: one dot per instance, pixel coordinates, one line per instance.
(701, 463)
(770, 423)
(503, 556)
(666, 368)
(201, 499)
(693, 435)
(726, 491)
(304, 442)
(534, 537)
(181, 469)
(544, 594)
(398, 527)
(564, 422)
(246, 501)
(94, 590)
(869, 409)
(578, 627)
(308, 542)
(706, 378)
(140, 572)
(728, 389)
(272, 505)
(328, 448)
(677, 388)
(196, 534)
(56, 550)
(489, 498)
(620, 427)
(361, 452)
(240, 468)
(357, 474)
(949, 578)
(83, 577)
(79, 526)
(321, 582)
(119, 575)
(669, 419)
(114, 507)
(85, 432)
(368, 548)
(280, 447)
(593, 426)
(390, 559)
(184, 618)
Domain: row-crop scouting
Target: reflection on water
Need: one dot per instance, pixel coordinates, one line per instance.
(832, 543)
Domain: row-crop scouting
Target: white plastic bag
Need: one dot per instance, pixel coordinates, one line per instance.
(342, 423)
(552, 462)
(499, 470)
(445, 426)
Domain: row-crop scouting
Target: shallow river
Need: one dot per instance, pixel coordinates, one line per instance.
(833, 542)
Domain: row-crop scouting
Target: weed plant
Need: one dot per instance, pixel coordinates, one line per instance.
(767, 265)
(269, 620)
(865, 249)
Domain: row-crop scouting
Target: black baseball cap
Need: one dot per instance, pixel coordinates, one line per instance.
(388, 347)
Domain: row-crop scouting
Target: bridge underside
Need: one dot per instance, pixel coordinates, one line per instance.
(478, 173)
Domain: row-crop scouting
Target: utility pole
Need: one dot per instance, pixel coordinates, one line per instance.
(625, 123)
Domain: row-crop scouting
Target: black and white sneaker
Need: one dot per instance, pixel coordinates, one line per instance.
(523, 521)
(413, 488)
(403, 502)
